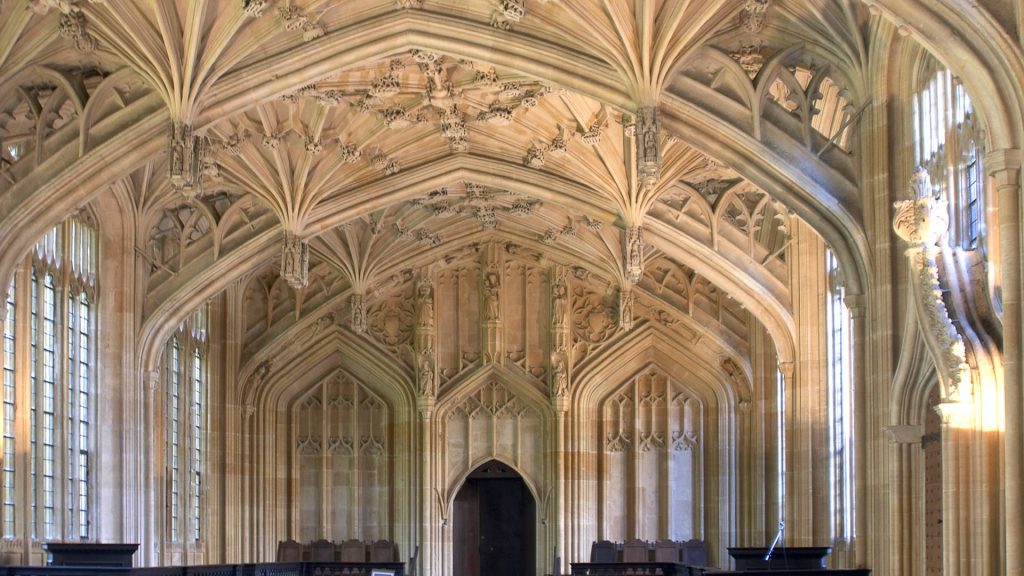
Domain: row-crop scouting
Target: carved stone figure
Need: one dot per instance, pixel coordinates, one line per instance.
(648, 146)
(185, 154)
(559, 377)
(559, 300)
(428, 388)
(634, 254)
(358, 314)
(295, 260)
(492, 287)
(424, 314)
(626, 301)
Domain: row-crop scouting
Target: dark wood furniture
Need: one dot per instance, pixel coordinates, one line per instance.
(782, 558)
(89, 554)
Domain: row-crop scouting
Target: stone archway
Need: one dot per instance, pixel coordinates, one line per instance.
(494, 530)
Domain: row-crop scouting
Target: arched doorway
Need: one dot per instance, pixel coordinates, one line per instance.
(494, 524)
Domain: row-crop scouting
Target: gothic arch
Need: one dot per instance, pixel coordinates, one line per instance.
(978, 50)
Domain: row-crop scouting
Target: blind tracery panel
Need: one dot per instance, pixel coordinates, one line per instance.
(650, 485)
(340, 460)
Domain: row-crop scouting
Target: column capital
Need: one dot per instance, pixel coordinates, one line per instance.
(425, 406)
(152, 379)
(786, 368)
(904, 433)
(955, 414)
(1002, 160)
(857, 304)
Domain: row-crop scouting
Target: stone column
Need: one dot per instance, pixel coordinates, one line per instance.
(153, 545)
(908, 538)
(957, 525)
(430, 535)
(862, 493)
(788, 371)
(1004, 167)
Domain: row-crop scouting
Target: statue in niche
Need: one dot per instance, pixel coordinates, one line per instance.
(634, 254)
(626, 301)
(358, 314)
(559, 377)
(425, 317)
(425, 295)
(492, 285)
(426, 376)
(559, 300)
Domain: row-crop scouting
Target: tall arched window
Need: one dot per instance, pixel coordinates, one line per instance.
(947, 143)
(185, 379)
(839, 341)
(47, 418)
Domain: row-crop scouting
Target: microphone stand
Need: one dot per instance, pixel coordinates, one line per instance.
(778, 538)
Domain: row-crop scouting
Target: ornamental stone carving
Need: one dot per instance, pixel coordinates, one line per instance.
(925, 219)
(254, 8)
(923, 222)
(534, 157)
(592, 135)
(750, 58)
(593, 320)
(753, 15)
(295, 260)
(390, 322)
(558, 147)
(184, 159)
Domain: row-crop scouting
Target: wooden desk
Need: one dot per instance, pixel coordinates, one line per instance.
(89, 554)
(783, 558)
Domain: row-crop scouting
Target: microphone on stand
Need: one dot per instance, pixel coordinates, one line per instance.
(778, 538)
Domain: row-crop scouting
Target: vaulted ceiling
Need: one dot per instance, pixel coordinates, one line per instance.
(657, 144)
